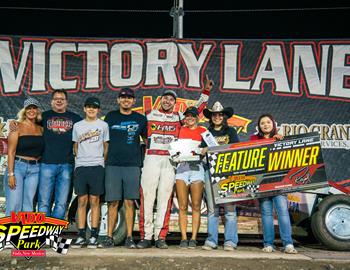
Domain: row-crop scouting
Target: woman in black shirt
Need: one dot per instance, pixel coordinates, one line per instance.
(223, 134)
(25, 146)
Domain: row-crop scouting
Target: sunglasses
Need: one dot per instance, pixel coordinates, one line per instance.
(31, 107)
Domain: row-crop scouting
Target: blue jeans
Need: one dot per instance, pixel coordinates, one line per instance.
(21, 198)
(54, 178)
(231, 234)
(281, 206)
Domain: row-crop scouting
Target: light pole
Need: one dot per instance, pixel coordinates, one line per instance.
(177, 12)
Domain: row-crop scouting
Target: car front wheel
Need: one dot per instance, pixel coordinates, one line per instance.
(331, 222)
(119, 232)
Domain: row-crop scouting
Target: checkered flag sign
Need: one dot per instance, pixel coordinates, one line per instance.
(222, 194)
(253, 188)
(217, 179)
(4, 245)
(58, 244)
(212, 157)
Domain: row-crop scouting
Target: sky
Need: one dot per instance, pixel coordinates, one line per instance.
(151, 19)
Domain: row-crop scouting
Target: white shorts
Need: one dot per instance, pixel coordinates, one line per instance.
(190, 172)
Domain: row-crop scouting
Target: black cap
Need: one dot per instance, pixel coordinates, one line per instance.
(92, 101)
(192, 110)
(170, 92)
(127, 92)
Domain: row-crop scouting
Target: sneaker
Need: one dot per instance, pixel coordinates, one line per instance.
(192, 244)
(228, 247)
(268, 249)
(129, 243)
(107, 243)
(289, 249)
(144, 243)
(183, 243)
(160, 243)
(208, 247)
(79, 242)
(92, 243)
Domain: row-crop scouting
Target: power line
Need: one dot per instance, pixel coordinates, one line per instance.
(266, 10)
(89, 10)
(167, 11)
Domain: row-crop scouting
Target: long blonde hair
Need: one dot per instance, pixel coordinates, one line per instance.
(21, 116)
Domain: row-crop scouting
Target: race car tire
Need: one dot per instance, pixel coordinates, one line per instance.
(119, 233)
(331, 222)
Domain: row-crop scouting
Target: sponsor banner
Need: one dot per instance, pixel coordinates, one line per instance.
(335, 136)
(263, 168)
(299, 82)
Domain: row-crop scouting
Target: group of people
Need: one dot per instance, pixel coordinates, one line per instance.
(40, 157)
(46, 149)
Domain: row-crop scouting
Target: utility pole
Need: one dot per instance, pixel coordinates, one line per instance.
(177, 12)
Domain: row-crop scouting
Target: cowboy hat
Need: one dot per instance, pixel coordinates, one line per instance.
(218, 108)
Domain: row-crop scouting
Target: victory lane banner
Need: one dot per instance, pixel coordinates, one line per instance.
(263, 168)
(304, 84)
(28, 232)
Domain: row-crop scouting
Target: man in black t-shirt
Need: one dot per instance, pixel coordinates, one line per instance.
(57, 160)
(123, 166)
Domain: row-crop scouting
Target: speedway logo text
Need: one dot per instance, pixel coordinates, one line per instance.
(28, 232)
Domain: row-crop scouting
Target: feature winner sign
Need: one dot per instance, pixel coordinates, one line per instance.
(262, 168)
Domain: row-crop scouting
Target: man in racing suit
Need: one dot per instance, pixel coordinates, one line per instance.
(158, 173)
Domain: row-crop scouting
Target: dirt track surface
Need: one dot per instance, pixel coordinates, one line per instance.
(246, 257)
(169, 263)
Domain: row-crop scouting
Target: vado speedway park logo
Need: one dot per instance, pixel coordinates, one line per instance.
(28, 232)
(335, 136)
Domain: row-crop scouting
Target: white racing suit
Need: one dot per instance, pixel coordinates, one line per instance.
(158, 174)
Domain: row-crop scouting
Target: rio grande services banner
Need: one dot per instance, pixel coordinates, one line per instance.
(304, 84)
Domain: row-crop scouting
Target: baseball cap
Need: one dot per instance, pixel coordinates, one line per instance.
(170, 92)
(92, 101)
(127, 92)
(30, 101)
(192, 110)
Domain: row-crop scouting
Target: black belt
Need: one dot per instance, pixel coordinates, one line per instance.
(32, 162)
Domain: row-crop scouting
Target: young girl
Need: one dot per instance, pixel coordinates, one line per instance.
(190, 177)
(267, 129)
(223, 134)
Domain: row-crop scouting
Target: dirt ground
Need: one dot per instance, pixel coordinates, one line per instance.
(248, 256)
(155, 263)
